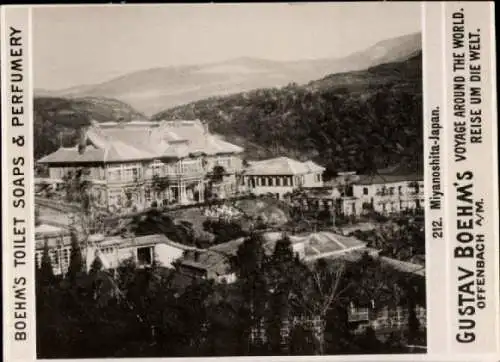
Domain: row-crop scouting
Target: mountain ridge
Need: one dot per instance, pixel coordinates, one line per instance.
(362, 120)
(152, 90)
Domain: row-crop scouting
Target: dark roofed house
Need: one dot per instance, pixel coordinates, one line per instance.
(215, 262)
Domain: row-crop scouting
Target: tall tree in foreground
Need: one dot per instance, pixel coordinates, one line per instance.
(46, 272)
(249, 264)
(76, 265)
(322, 289)
(280, 271)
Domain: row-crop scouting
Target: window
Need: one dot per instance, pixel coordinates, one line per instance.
(55, 257)
(270, 181)
(263, 181)
(285, 181)
(191, 166)
(114, 175)
(157, 167)
(66, 256)
(400, 190)
(131, 172)
(359, 314)
(278, 181)
(365, 190)
(145, 255)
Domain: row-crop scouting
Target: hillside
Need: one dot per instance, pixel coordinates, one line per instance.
(58, 119)
(152, 90)
(358, 120)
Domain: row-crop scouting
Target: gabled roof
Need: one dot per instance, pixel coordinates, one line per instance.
(397, 173)
(71, 154)
(404, 266)
(379, 179)
(133, 141)
(282, 166)
(217, 258)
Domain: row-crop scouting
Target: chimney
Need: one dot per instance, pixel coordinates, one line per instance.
(82, 140)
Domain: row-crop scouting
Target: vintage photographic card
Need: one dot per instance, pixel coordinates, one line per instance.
(282, 181)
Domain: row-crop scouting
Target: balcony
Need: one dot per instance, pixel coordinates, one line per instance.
(187, 174)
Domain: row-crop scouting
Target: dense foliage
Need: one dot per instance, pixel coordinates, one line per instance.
(403, 239)
(353, 121)
(131, 312)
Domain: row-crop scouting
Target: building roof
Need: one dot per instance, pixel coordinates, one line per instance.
(397, 173)
(380, 179)
(399, 265)
(404, 266)
(115, 241)
(325, 244)
(133, 141)
(43, 230)
(282, 166)
(324, 192)
(71, 154)
(317, 245)
(208, 260)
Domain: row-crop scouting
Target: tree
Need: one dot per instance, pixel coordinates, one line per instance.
(96, 265)
(249, 264)
(302, 341)
(279, 271)
(368, 342)
(37, 216)
(45, 271)
(76, 265)
(218, 173)
(321, 289)
(159, 184)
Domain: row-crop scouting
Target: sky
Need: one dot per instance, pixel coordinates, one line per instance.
(77, 45)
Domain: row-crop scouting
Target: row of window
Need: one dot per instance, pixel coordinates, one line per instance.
(397, 314)
(254, 181)
(393, 206)
(58, 257)
(391, 190)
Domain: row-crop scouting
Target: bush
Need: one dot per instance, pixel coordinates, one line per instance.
(223, 230)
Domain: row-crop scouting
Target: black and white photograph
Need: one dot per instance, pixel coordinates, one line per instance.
(220, 180)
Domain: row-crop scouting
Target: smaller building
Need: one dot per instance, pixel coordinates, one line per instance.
(386, 192)
(280, 176)
(390, 193)
(58, 240)
(384, 320)
(143, 250)
(325, 198)
(215, 262)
